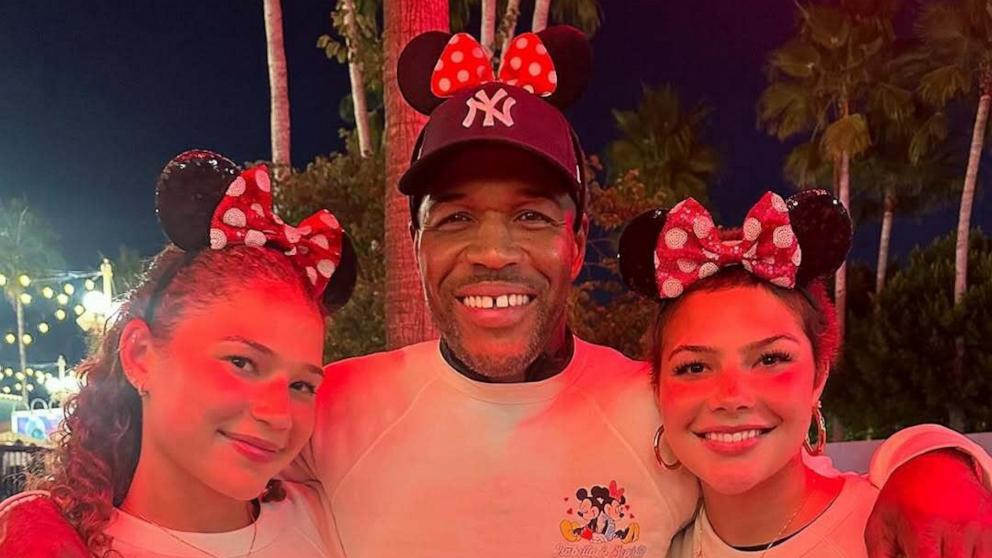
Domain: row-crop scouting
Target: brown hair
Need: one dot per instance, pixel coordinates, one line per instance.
(97, 445)
(810, 304)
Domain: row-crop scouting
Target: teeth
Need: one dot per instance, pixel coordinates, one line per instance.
(501, 301)
(728, 438)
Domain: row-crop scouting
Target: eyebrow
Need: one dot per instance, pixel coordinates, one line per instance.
(749, 347)
(266, 350)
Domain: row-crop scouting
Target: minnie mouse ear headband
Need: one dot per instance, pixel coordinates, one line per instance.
(204, 201)
(450, 78)
(788, 243)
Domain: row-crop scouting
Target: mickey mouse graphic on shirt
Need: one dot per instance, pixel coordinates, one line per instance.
(603, 515)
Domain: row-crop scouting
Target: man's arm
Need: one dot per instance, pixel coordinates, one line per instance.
(935, 498)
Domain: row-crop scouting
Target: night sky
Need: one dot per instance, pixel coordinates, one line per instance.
(95, 96)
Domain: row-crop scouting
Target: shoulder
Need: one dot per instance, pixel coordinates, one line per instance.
(362, 397)
(31, 526)
(612, 378)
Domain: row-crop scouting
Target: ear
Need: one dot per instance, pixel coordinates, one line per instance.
(824, 231)
(637, 251)
(187, 193)
(415, 67)
(572, 55)
(581, 240)
(342, 283)
(137, 353)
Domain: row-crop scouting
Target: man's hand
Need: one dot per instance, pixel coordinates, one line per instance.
(933, 506)
(36, 529)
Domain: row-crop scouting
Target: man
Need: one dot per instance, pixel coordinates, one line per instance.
(510, 436)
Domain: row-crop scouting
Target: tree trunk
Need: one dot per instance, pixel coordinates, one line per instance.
(968, 198)
(21, 351)
(488, 31)
(840, 280)
(885, 239)
(408, 319)
(508, 27)
(955, 414)
(540, 21)
(357, 76)
(278, 87)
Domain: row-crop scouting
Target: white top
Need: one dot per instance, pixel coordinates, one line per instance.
(288, 528)
(839, 532)
(416, 460)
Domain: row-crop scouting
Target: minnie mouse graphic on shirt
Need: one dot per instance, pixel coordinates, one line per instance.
(600, 515)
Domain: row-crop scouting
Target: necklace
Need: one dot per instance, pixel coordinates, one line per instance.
(251, 548)
(697, 542)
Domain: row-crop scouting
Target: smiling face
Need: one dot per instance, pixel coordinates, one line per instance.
(736, 385)
(498, 251)
(231, 389)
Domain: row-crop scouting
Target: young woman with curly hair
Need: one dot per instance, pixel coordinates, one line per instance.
(202, 388)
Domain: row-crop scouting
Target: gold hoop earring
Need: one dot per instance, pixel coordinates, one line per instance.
(821, 432)
(657, 451)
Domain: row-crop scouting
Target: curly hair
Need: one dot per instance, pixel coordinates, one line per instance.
(97, 446)
(810, 304)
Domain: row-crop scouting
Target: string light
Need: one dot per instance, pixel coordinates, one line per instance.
(60, 314)
(10, 338)
(47, 292)
(30, 387)
(3, 280)
(18, 386)
(62, 299)
(78, 309)
(6, 389)
(24, 280)
(29, 371)
(25, 298)
(89, 284)
(19, 376)
(27, 339)
(43, 327)
(68, 288)
(8, 372)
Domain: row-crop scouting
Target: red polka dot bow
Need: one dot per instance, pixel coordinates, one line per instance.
(244, 216)
(690, 247)
(464, 64)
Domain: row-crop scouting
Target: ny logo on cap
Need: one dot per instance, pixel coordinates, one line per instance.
(482, 102)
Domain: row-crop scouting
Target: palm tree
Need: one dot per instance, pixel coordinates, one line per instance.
(818, 83)
(408, 319)
(278, 86)
(487, 35)
(662, 141)
(956, 38)
(27, 247)
(356, 73)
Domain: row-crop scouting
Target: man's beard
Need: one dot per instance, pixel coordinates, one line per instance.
(549, 315)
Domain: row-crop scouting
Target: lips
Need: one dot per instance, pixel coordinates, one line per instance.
(495, 304)
(256, 449)
(734, 440)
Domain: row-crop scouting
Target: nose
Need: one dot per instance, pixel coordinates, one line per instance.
(731, 392)
(493, 245)
(270, 404)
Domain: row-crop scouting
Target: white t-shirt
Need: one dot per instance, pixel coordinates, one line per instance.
(289, 528)
(416, 460)
(839, 532)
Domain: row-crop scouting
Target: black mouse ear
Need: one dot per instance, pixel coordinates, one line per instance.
(572, 55)
(824, 231)
(187, 193)
(637, 252)
(342, 282)
(415, 67)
